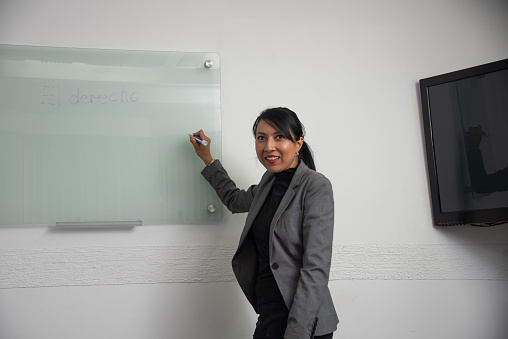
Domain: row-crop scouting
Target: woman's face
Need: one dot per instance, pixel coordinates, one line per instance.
(275, 152)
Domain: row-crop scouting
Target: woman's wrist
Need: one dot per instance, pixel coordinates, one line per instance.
(208, 161)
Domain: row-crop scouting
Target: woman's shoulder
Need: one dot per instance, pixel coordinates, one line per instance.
(312, 177)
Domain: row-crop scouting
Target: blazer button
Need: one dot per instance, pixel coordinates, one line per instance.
(275, 266)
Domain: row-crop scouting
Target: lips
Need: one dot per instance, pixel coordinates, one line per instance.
(272, 159)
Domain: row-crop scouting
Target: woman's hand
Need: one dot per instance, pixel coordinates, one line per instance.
(202, 151)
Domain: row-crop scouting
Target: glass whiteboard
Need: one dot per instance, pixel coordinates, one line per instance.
(91, 135)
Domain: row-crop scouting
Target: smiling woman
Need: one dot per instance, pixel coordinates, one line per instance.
(276, 151)
(283, 260)
(286, 125)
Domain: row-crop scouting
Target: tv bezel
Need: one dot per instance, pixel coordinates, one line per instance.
(484, 217)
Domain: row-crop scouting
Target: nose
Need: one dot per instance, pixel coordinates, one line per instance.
(270, 144)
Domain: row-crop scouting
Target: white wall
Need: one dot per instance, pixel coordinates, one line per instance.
(350, 70)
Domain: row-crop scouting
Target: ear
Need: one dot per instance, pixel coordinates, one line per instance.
(299, 144)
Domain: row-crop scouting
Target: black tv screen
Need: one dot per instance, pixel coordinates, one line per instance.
(465, 123)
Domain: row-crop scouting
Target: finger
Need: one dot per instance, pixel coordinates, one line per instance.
(193, 141)
(201, 134)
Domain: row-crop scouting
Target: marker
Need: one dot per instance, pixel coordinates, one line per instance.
(201, 141)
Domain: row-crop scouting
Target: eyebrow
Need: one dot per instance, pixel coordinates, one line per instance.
(276, 132)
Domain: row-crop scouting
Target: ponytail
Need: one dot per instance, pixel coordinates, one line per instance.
(306, 156)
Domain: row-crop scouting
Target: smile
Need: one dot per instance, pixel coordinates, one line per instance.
(272, 159)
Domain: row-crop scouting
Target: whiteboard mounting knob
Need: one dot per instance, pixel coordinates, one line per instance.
(208, 64)
(211, 208)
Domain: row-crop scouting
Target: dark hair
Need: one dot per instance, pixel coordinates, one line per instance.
(287, 123)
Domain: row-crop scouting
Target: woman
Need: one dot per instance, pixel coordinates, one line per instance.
(283, 258)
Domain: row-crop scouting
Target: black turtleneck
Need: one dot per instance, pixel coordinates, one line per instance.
(266, 287)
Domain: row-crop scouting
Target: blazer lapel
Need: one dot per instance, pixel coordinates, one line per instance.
(288, 196)
(265, 185)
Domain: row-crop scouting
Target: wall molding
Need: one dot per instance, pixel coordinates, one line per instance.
(89, 266)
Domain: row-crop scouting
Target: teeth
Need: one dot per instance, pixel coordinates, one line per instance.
(272, 158)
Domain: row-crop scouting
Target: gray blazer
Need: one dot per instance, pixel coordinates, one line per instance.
(300, 248)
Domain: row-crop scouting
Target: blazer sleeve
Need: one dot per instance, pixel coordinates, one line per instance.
(236, 200)
(312, 286)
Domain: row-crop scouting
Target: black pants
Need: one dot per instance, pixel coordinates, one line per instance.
(272, 322)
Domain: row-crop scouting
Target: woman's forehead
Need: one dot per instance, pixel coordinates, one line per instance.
(267, 126)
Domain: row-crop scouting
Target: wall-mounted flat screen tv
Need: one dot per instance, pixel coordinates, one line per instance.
(465, 123)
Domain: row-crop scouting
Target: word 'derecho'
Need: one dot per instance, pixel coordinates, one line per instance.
(123, 96)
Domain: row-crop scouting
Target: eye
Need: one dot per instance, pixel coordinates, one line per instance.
(280, 136)
(260, 138)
